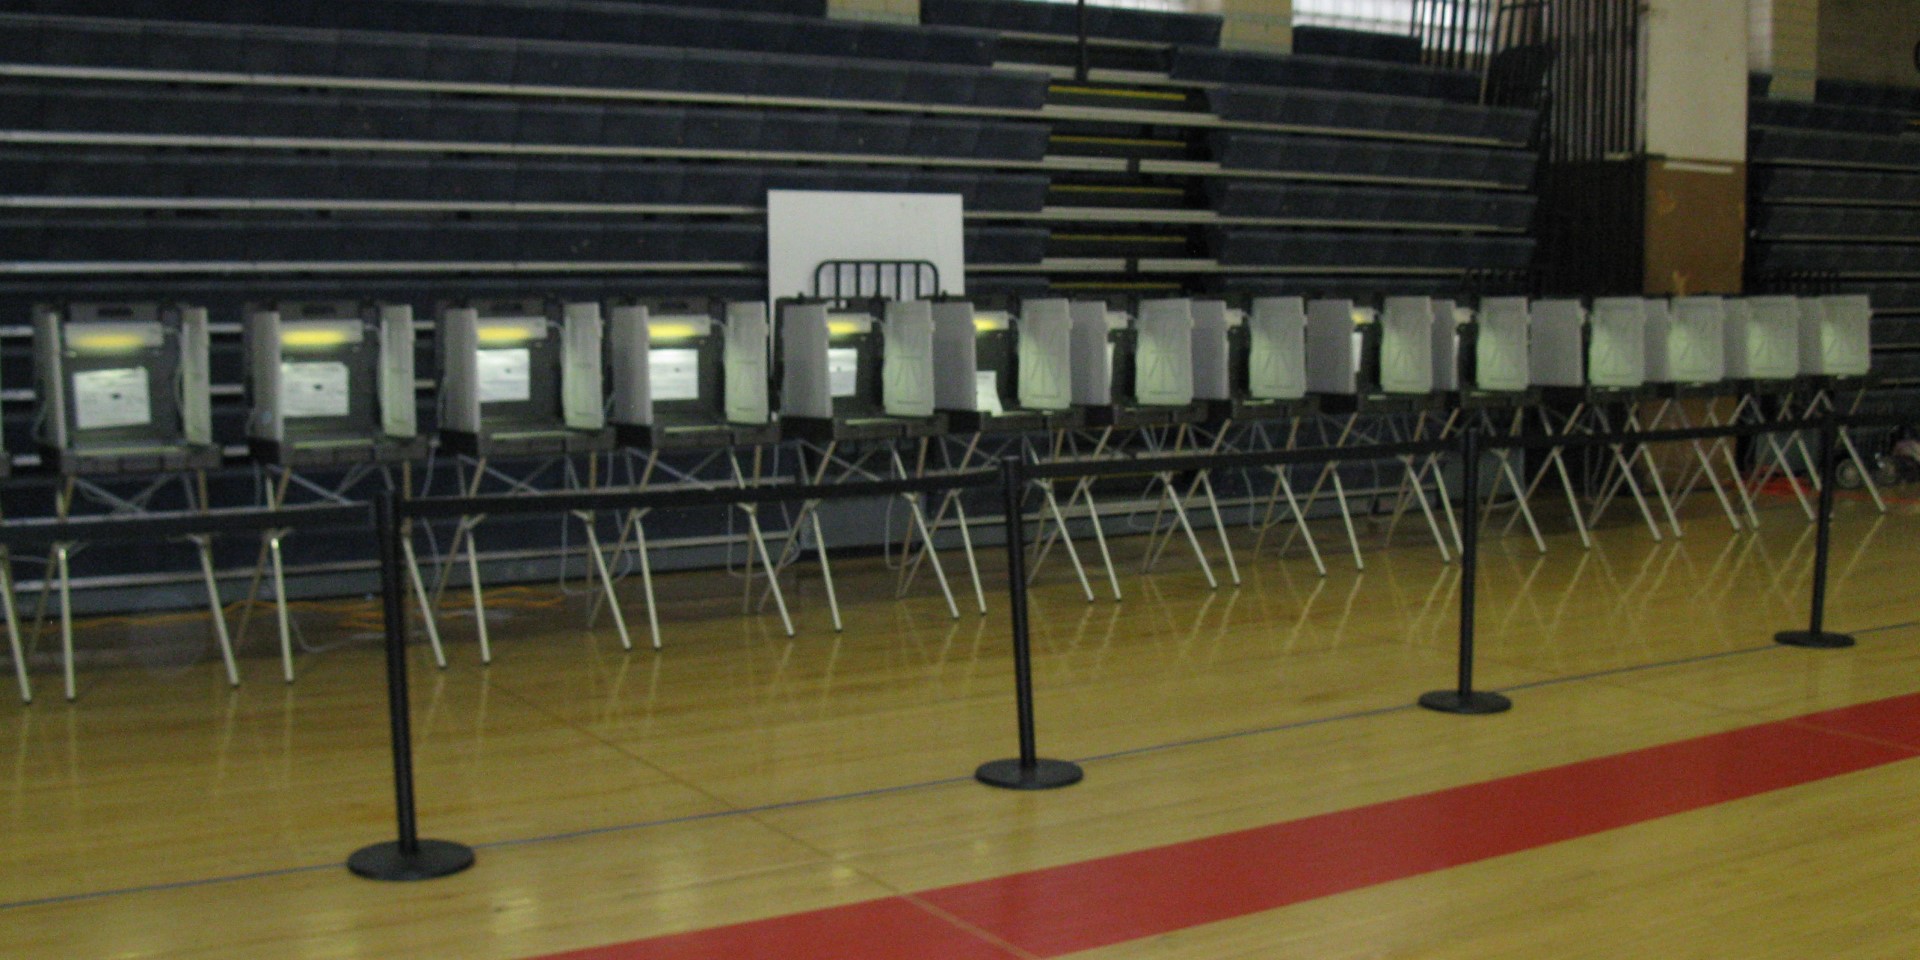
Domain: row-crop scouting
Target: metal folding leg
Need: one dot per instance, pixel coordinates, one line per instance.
(1556, 461)
(464, 534)
(1171, 496)
(13, 626)
(1330, 471)
(1779, 455)
(1509, 473)
(949, 501)
(1621, 471)
(1413, 485)
(1283, 486)
(1081, 489)
(1823, 402)
(1703, 463)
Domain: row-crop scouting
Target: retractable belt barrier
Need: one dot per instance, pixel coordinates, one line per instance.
(409, 857)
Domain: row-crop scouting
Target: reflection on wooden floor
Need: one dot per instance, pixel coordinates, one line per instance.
(740, 774)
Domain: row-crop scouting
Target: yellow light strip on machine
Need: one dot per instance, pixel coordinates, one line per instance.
(503, 333)
(308, 339)
(106, 342)
(989, 322)
(673, 331)
(849, 326)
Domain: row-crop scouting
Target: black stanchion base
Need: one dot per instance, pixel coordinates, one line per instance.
(435, 858)
(1807, 638)
(1477, 702)
(1042, 775)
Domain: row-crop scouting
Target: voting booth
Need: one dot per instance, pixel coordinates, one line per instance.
(124, 392)
(1836, 335)
(331, 383)
(1140, 373)
(1490, 349)
(857, 373)
(1266, 368)
(857, 382)
(690, 374)
(1343, 349)
(123, 388)
(521, 378)
(1767, 345)
(1002, 371)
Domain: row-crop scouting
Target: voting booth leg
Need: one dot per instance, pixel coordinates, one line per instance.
(1028, 771)
(1200, 486)
(281, 617)
(1463, 698)
(759, 538)
(1706, 468)
(1331, 471)
(408, 857)
(599, 560)
(1622, 463)
(60, 553)
(1816, 634)
(646, 577)
(1779, 461)
(13, 626)
(1081, 488)
(1644, 453)
(1557, 461)
(427, 619)
(1825, 401)
(1522, 509)
(1283, 486)
(1724, 445)
(204, 547)
(1073, 553)
(919, 519)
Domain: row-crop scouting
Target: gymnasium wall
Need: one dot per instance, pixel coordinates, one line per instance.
(1870, 41)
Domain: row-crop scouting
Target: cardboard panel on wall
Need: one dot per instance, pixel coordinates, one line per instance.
(1696, 224)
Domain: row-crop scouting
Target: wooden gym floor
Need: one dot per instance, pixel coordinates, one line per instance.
(1258, 783)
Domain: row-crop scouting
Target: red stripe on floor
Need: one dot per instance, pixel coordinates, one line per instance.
(1114, 899)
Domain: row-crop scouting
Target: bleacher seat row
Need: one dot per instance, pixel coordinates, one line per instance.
(29, 244)
(290, 54)
(1358, 204)
(99, 176)
(1372, 160)
(645, 24)
(1157, 27)
(367, 122)
(1253, 68)
(1379, 113)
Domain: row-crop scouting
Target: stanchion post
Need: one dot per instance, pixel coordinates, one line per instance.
(1027, 771)
(1816, 634)
(1463, 698)
(408, 857)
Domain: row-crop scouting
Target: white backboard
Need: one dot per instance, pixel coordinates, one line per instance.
(808, 227)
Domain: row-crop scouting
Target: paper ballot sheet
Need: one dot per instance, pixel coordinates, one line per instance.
(315, 388)
(843, 371)
(986, 393)
(505, 375)
(674, 374)
(120, 397)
